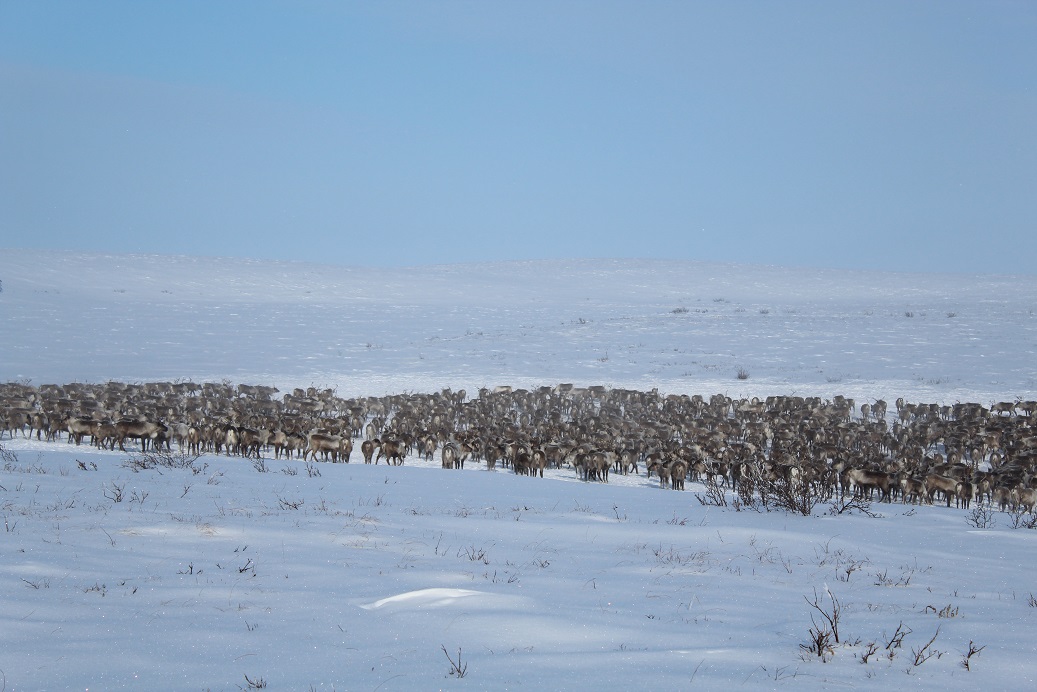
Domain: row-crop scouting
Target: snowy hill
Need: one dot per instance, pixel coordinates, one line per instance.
(237, 574)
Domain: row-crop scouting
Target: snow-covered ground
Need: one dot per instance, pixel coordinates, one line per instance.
(367, 331)
(359, 577)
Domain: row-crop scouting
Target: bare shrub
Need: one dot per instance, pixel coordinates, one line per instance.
(830, 615)
(849, 504)
(973, 650)
(743, 374)
(1023, 520)
(745, 491)
(7, 456)
(115, 493)
(714, 495)
(924, 653)
(981, 517)
(457, 668)
(897, 640)
(819, 643)
(153, 459)
(254, 684)
(792, 495)
(948, 611)
(474, 554)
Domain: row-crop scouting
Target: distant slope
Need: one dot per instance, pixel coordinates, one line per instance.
(679, 326)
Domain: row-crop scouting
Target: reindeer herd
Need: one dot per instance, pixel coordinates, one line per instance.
(919, 453)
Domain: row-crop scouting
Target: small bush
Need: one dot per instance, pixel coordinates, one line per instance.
(155, 459)
(966, 660)
(1021, 519)
(795, 495)
(743, 374)
(714, 496)
(254, 684)
(7, 456)
(980, 517)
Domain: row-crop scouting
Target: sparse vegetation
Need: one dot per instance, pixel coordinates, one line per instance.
(981, 517)
(714, 495)
(973, 650)
(7, 456)
(926, 651)
(256, 683)
(457, 667)
(152, 459)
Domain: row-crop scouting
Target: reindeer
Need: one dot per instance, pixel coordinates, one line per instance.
(367, 448)
(194, 440)
(678, 472)
(597, 464)
(428, 447)
(1025, 498)
(963, 494)
(144, 431)
(934, 483)
(537, 462)
(661, 469)
(393, 451)
(105, 435)
(450, 456)
(911, 489)
(522, 464)
(278, 440)
(250, 441)
(866, 482)
(1003, 496)
(327, 445)
(80, 427)
(40, 423)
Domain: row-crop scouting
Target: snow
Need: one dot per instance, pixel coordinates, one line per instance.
(352, 577)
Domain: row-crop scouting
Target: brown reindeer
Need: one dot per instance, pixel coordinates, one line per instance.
(393, 451)
(367, 448)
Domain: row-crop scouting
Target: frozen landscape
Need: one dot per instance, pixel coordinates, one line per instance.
(232, 574)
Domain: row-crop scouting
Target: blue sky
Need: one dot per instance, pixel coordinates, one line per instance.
(873, 135)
